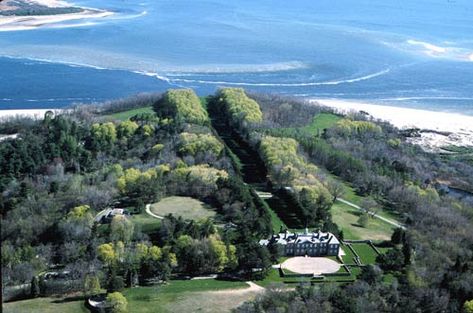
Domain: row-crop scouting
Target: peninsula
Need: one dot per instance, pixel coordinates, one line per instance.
(30, 14)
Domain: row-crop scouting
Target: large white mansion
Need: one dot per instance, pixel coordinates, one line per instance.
(308, 243)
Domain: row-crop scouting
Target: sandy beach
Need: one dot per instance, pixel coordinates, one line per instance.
(459, 127)
(34, 113)
(17, 22)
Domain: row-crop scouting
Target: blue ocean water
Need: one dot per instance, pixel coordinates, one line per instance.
(411, 53)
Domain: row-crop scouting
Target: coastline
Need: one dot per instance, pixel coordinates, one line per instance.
(27, 22)
(33, 113)
(438, 129)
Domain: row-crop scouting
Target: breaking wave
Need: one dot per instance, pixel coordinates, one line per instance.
(448, 50)
(336, 82)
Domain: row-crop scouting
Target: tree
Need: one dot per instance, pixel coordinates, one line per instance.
(182, 105)
(115, 282)
(398, 236)
(468, 306)
(91, 285)
(363, 220)
(193, 144)
(393, 260)
(81, 213)
(369, 205)
(224, 255)
(35, 290)
(103, 135)
(121, 229)
(126, 129)
(335, 188)
(253, 259)
(117, 302)
(239, 106)
(371, 274)
(106, 253)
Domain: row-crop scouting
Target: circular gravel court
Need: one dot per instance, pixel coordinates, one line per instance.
(311, 265)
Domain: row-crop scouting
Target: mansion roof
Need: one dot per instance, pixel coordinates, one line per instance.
(315, 237)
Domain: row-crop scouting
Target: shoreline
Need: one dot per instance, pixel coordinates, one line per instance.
(33, 113)
(437, 129)
(28, 22)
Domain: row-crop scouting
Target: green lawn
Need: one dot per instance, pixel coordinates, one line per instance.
(350, 195)
(188, 208)
(320, 122)
(46, 305)
(365, 252)
(146, 222)
(123, 116)
(316, 126)
(182, 296)
(176, 296)
(348, 258)
(276, 222)
(346, 217)
(274, 278)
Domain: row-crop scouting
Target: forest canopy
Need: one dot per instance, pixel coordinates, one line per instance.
(181, 105)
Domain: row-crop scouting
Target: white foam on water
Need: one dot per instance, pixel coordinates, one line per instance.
(336, 82)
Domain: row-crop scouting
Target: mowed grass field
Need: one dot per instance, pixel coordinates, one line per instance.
(320, 122)
(145, 222)
(125, 115)
(207, 295)
(46, 305)
(365, 252)
(346, 217)
(188, 208)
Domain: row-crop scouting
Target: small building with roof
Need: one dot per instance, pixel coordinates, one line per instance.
(314, 243)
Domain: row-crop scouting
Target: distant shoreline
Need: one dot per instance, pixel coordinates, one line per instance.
(438, 129)
(27, 22)
(34, 113)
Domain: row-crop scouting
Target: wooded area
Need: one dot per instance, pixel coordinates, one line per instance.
(65, 169)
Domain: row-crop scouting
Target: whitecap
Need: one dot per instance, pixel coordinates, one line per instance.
(336, 82)
(449, 50)
(430, 48)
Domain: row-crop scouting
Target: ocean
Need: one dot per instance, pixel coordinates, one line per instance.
(406, 53)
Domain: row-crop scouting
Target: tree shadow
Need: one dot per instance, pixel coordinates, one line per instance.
(356, 225)
(69, 299)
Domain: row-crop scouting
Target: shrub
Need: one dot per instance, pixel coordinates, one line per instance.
(117, 302)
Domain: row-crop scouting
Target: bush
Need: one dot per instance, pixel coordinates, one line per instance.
(117, 302)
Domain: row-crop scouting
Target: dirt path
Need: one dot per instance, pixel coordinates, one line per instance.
(148, 210)
(215, 301)
(394, 223)
(253, 288)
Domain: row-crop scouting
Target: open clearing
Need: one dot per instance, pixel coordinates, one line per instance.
(346, 217)
(216, 301)
(46, 305)
(125, 115)
(186, 207)
(311, 265)
(207, 295)
(145, 222)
